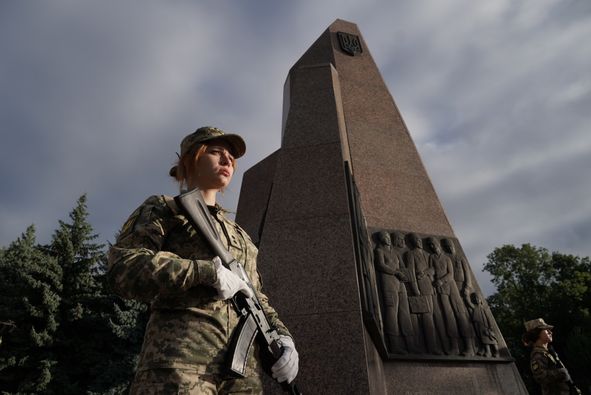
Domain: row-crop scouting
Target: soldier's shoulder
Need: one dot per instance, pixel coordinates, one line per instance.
(159, 203)
(153, 206)
(538, 353)
(537, 357)
(155, 200)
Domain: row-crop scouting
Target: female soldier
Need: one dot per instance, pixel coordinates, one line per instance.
(547, 369)
(160, 259)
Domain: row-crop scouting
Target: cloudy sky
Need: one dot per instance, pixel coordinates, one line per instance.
(96, 95)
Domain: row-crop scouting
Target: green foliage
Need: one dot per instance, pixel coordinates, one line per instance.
(119, 327)
(76, 343)
(62, 330)
(29, 290)
(532, 283)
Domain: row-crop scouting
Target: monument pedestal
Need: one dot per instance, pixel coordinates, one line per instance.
(355, 250)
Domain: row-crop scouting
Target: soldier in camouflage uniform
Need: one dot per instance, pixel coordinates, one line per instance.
(547, 369)
(160, 259)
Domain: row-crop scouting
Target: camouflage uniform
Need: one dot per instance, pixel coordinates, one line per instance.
(160, 259)
(547, 372)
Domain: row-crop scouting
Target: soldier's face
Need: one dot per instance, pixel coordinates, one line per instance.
(214, 168)
(546, 336)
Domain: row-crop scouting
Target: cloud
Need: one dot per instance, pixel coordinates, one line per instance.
(97, 95)
(498, 98)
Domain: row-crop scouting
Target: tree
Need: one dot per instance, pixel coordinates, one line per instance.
(30, 283)
(531, 283)
(72, 245)
(62, 331)
(100, 335)
(122, 324)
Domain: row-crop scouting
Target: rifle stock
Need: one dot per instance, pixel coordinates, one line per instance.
(253, 323)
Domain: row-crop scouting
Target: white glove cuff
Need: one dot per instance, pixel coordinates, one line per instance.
(286, 341)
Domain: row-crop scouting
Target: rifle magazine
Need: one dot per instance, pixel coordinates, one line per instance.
(242, 340)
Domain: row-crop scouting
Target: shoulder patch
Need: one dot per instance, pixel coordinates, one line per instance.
(535, 366)
(142, 213)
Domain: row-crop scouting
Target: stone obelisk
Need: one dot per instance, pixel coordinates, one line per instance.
(355, 250)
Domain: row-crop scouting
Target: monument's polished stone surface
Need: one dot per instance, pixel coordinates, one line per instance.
(356, 252)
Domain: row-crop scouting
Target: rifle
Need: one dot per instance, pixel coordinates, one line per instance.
(253, 321)
(573, 389)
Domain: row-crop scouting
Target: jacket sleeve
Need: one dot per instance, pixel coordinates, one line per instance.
(137, 266)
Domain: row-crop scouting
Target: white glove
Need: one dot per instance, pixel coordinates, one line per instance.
(286, 367)
(228, 283)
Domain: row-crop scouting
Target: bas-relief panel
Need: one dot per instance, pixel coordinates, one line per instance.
(428, 300)
(419, 296)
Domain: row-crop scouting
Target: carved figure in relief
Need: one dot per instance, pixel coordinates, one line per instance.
(395, 306)
(461, 277)
(444, 283)
(483, 322)
(406, 322)
(423, 295)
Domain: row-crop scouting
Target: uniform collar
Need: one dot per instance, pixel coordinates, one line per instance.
(215, 209)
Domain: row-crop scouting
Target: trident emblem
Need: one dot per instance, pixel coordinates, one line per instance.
(350, 43)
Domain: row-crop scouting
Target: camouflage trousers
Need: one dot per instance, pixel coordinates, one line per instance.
(187, 382)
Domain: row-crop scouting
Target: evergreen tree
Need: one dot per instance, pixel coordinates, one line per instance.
(534, 283)
(30, 283)
(98, 342)
(123, 324)
(62, 331)
(78, 345)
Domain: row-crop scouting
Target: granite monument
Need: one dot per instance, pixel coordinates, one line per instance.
(355, 248)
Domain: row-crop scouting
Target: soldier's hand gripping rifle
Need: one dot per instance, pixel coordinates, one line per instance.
(253, 322)
(573, 389)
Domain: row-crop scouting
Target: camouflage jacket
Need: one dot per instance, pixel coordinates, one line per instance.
(547, 372)
(160, 259)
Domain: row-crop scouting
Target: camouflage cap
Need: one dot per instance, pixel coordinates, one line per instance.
(535, 324)
(208, 133)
